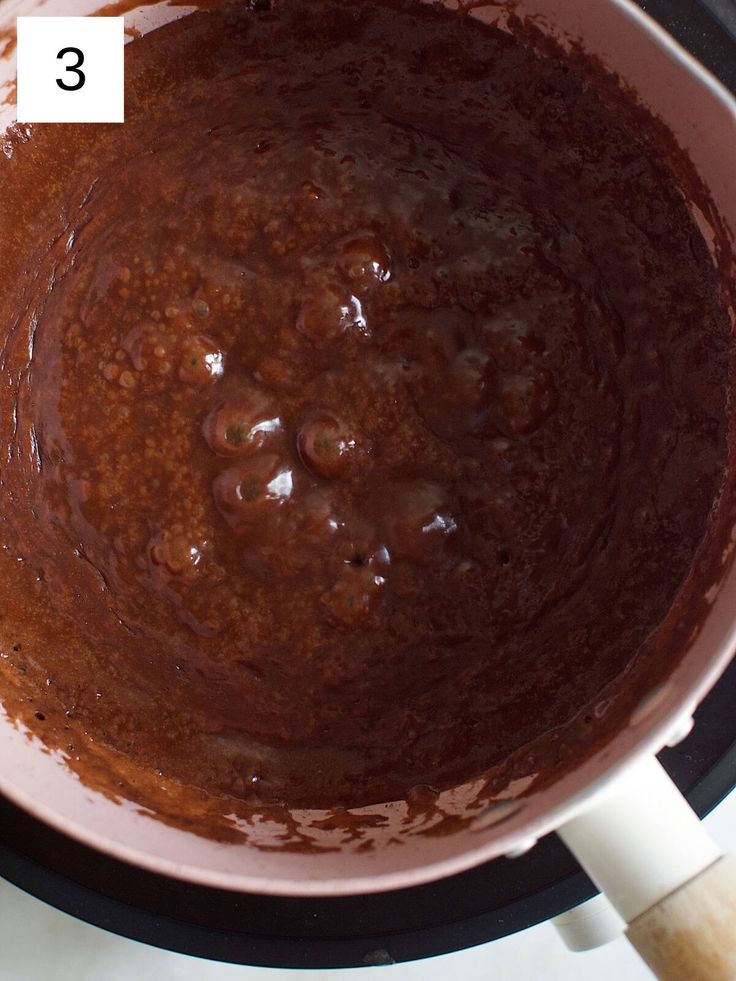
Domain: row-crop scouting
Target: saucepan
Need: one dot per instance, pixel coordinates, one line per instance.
(616, 809)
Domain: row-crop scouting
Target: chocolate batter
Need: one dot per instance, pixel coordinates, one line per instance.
(364, 403)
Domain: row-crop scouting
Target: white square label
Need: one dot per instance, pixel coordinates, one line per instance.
(70, 70)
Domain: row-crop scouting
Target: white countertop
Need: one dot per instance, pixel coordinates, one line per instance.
(37, 943)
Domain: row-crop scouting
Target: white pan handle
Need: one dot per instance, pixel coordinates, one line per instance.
(589, 925)
(644, 847)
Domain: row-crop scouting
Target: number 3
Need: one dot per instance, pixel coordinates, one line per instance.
(72, 68)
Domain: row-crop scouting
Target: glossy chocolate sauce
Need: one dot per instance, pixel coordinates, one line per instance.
(364, 404)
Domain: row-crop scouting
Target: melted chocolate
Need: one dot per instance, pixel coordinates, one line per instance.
(365, 404)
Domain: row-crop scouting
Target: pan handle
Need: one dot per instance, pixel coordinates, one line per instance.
(644, 847)
(692, 932)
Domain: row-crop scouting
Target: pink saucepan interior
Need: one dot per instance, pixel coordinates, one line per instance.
(703, 118)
